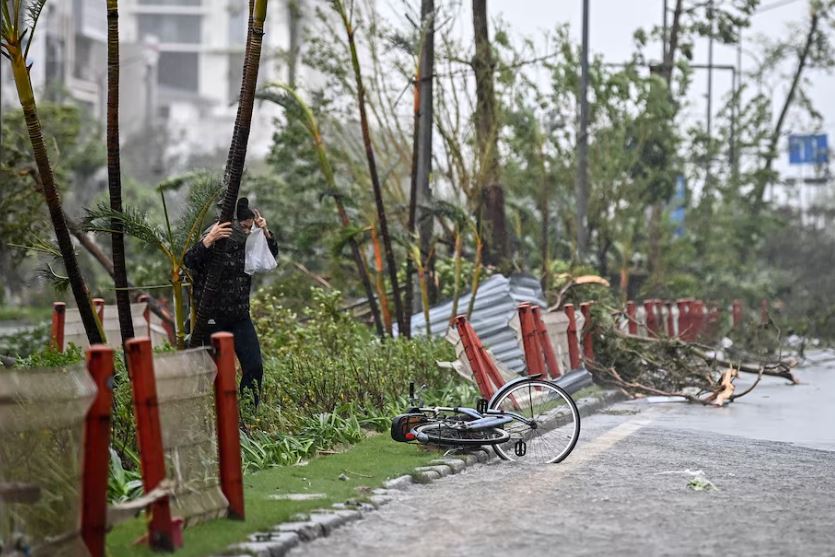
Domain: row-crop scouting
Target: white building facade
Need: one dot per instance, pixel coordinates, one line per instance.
(181, 67)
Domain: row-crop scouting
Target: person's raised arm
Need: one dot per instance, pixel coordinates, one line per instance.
(261, 223)
(199, 252)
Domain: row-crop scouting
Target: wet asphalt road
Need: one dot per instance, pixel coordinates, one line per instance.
(624, 490)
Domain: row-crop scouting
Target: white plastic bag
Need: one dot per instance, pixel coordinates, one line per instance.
(258, 256)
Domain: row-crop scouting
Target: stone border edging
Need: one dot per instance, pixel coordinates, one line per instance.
(322, 522)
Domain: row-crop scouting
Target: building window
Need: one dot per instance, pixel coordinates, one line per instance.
(171, 28)
(180, 70)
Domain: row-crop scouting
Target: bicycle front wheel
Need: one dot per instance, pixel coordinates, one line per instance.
(555, 421)
(450, 433)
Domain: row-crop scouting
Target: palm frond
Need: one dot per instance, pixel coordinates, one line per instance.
(59, 282)
(33, 11)
(204, 193)
(134, 221)
(344, 237)
(176, 182)
(445, 209)
(41, 246)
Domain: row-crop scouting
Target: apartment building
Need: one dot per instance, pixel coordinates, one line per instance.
(181, 67)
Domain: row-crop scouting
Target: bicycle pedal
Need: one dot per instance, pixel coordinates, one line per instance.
(481, 405)
(520, 448)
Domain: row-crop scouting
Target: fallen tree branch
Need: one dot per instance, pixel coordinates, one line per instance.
(777, 369)
(751, 388)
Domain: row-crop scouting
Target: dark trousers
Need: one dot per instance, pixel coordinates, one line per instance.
(248, 351)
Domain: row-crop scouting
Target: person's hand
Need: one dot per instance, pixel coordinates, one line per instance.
(218, 231)
(261, 222)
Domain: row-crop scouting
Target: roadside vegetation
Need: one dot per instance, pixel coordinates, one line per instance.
(417, 165)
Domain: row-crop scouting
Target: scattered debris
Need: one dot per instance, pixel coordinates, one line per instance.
(698, 481)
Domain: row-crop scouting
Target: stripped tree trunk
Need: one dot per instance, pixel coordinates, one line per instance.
(803, 56)
(379, 283)
(234, 162)
(15, 51)
(294, 11)
(486, 123)
(114, 178)
(426, 76)
(372, 167)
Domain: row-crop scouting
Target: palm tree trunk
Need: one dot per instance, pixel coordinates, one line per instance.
(409, 288)
(456, 280)
(486, 123)
(372, 168)
(426, 76)
(92, 326)
(179, 309)
(114, 178)
(479, 248)
(379, 282)
(234, 162)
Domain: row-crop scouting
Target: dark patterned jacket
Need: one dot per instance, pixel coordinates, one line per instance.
(232, 303)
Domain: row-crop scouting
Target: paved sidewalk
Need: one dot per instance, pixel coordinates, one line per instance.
(625, 491)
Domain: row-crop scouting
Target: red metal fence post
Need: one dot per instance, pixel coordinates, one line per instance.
(96, 463)
(632, 317)
(545, 342)
(228, 434)
(683, 319)
(530, 340)
(571, 334)
(149, 433)
(671, 325)
(168, 325)
(649, 318)
(56, 337)
(698, 308)
(146, 313)
(99, 305)
(588, 347)
(472, 353)
(736, 314)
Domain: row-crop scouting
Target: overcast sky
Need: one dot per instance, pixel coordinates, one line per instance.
(613, 22)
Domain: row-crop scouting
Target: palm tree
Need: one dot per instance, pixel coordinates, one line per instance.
(234, 161)
(114, 178)
(16, 33)
(339, 7)
(172, 242)
(315, 132)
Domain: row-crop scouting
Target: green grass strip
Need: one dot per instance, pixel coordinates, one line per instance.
(366, 465)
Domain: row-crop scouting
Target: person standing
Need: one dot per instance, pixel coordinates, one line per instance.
(230, 312)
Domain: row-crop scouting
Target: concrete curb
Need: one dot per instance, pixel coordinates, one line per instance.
(319, 523)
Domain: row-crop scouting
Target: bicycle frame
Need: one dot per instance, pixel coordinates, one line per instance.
(491, 418)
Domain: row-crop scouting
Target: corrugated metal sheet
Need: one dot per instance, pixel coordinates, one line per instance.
(495, 306)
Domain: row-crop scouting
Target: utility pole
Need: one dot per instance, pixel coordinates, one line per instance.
(709, 89)
(664, 33)
(737, 93)
(582, 189)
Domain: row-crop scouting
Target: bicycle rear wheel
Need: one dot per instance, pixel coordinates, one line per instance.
(451, 433)
(556, 422)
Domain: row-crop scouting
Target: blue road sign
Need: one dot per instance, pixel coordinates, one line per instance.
(808, 149)
(678, 205)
